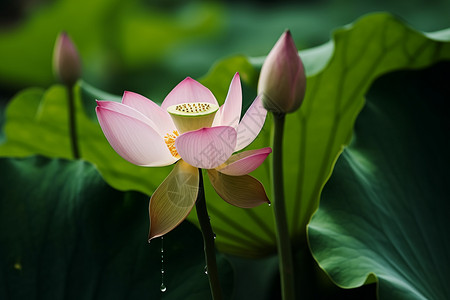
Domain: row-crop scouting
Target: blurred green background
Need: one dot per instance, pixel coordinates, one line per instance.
(149, 46)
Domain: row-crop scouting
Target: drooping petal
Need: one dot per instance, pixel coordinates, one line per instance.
(186, 91)
(207, 148)
(244, 162)
(251, 124)
(173, 199)
(134, 139)
(151, 110)
(229, 113)
(241, 191)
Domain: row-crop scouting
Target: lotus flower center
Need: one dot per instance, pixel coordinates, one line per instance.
(169, 138)
(193, 108)
(192, 116)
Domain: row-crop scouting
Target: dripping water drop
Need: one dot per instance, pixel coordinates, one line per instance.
(214, 235)
(163, 287)
(270, 204)
(206, 270)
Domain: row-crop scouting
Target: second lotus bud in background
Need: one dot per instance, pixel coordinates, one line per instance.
(66, 60)
(282, 81)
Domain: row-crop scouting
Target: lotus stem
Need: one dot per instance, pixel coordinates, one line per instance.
(208, 239)
(279, 208)
(72, 122)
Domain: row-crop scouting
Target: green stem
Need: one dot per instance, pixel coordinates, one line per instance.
(279, 208)
(72, 122)
(208, 239)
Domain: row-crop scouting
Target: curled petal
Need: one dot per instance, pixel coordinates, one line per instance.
(134, 139)
(251, 124)
(186, 91)
(126, 110)
(241, 191)
(207, 148)
(229, 113)
(173, 199)
(151, 110)
(244, 162)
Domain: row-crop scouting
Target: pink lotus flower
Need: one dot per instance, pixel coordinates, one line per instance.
(189, 129)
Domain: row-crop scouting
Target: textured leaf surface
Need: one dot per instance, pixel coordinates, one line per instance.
(384, 212)
(67, 235)
(315, 134)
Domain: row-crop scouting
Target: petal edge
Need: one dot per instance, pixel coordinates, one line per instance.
(251, 124)
(245, 162)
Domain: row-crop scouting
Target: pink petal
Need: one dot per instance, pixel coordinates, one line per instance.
(186, 91)
(244, 162)
(151, 110)
(207, 148)
(229, 113)
(126, 110)
(251, 124)
(173, 199)
(134, 139)
(241, 191)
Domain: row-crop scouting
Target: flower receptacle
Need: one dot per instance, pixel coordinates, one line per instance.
(192, 116)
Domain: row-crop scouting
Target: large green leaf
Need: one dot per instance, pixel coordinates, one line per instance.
(338, 77)
(67, 235)
(339, 74)
(384, 212)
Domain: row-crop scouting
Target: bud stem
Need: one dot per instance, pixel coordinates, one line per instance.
(208, 239)
(72, 121)
(279, 208)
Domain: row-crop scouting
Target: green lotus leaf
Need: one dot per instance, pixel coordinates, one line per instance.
(384, 212)
(66, 234)
(339, 75)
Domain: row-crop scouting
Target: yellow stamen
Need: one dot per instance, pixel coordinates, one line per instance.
(170, 138)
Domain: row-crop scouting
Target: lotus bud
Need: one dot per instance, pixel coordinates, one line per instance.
(66, 60)
(282, 81)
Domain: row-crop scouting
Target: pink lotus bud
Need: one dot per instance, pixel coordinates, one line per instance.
(66, 60)
(282, 81)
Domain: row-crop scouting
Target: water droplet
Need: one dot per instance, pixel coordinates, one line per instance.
(206, 270)
(270, 204)
(163, 287)
(214, 236)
